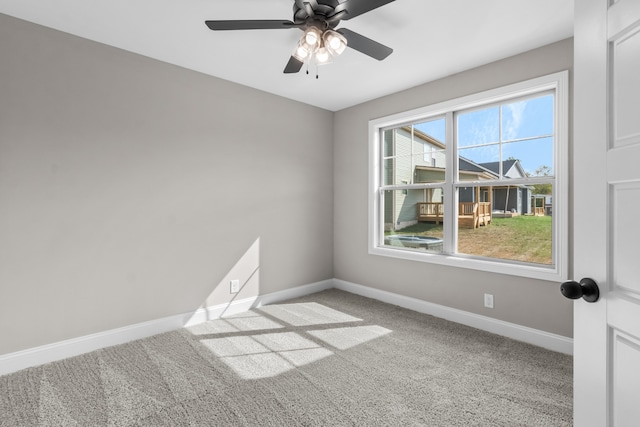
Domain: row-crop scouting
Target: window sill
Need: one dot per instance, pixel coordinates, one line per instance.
(513, 268)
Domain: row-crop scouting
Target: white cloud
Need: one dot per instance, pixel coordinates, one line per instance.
(513, 119)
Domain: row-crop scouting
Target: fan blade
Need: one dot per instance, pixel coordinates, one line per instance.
(264, 24)
(365, 45)
(358, 7)
(293, 66)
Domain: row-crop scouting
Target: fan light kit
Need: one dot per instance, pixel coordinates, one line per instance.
(321, 47)
(321, 42)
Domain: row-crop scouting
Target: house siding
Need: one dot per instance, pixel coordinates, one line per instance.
(401, 206)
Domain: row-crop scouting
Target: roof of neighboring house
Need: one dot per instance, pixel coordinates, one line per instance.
(467, 165)
(507, 167)
(489, 169)
(425, 137)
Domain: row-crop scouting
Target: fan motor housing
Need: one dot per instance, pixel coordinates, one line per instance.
(322, 15)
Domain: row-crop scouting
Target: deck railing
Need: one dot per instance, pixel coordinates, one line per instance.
(429, 211)
(470, 214)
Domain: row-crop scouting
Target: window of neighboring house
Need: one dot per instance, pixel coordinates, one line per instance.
(469, 182)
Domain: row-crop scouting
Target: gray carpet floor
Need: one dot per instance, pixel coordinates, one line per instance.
(327, 359)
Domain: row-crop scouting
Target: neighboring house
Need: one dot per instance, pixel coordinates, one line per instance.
(514, 199)
(413, 157)
(542, 204)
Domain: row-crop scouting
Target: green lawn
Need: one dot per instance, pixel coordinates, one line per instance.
(521, 238)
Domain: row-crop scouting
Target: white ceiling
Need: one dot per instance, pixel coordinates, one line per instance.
(431, 39)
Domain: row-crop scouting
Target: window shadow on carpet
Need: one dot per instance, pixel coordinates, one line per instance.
(275, 339)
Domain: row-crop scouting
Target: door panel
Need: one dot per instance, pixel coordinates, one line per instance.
(621, 309)
(626, 88)
(626, 380)
(607, 204)
(625, 237)
(623, 179)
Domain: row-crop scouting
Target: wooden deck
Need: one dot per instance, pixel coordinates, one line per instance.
(430, 212)
(539, 211)
(470, 215)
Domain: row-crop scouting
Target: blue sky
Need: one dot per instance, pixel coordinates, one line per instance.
(530, 118)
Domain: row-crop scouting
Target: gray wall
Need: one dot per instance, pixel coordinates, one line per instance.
(131, 190)
(532, 303)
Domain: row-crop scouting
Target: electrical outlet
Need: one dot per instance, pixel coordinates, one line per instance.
(488, 300)
(235, 286)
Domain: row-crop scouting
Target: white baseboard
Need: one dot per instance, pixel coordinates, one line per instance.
(235, 307)
(298, 291)
(60, 350)
(13, 362)
(536, 337)
(217, 311)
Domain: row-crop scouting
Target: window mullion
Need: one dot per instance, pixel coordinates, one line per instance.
(450, 226)
(500, 162)
(412, 154)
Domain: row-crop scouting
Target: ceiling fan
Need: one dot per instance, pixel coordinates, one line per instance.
(318, 19)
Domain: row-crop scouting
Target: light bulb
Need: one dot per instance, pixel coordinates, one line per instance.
(322, 55)
(302, 52)
(312, 36)
(335, 42)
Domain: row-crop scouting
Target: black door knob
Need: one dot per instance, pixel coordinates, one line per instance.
(587, 289)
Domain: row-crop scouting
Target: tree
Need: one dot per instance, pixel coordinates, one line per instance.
(542, 188)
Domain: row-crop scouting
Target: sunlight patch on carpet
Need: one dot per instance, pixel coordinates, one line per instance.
(280, 338)
(268, 355)
(306, 314)
(249, 321)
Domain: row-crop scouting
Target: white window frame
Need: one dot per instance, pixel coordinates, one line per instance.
(557, 82)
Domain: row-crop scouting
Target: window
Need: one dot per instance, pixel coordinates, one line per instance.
(476, 182)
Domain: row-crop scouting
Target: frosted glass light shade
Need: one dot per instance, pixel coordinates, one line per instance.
(312, 37)
(322, 55)
(335, 42)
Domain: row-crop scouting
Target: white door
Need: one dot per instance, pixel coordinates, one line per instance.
(607, 211)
